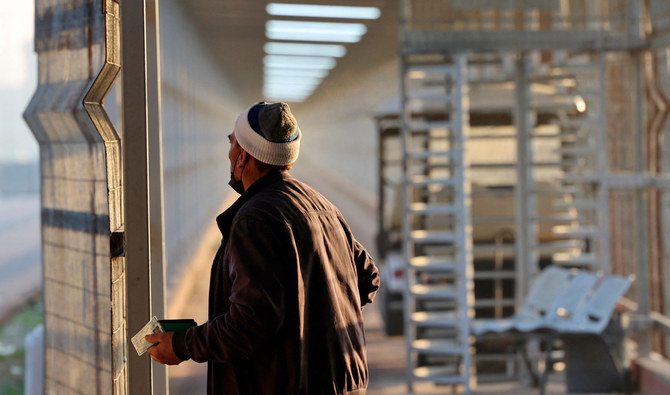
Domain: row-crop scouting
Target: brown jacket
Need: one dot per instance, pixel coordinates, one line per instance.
(286, 294)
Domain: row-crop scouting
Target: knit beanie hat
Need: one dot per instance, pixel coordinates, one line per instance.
(269, 133)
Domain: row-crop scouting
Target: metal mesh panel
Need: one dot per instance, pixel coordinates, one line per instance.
(624, 205)
(81, 195)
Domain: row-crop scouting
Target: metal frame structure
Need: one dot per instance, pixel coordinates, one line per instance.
(585, 157)
(436, 217)
(579, 40)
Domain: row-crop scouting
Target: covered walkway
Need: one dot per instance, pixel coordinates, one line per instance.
(133, 168)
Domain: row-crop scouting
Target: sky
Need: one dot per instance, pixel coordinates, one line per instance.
(18, 79)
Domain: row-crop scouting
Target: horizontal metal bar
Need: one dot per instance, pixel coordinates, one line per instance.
(576, 231)
(425, 181)
(505, 4)
(428, 125)
(589, 259)
(437, 347)
(432, 97)
(483, 303)
(512, 165)
(432, 264)
(432, 208)
(434, 70)
(637, 181)
(434, 292)
(422, 236)
(423, 155)
(495, 275)
(660, 322)
(429, 41)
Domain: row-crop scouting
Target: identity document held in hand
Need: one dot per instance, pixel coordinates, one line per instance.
(158, 326)
(141, 345)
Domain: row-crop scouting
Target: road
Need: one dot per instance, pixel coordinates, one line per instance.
(20, 252)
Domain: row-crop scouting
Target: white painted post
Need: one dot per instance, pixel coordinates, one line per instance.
(142, 185)
(155, 163)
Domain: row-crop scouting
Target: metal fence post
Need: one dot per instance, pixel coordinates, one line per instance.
(155, 163)
(142, 184)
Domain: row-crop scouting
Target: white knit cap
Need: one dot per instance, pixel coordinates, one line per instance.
(269, 133)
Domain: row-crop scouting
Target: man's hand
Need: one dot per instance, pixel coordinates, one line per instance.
(163, 352)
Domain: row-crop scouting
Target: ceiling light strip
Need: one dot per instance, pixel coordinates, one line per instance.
(328, 38)
(293, 80)
(290, 87)
(291, 72)
(299, 62)
(322, 11)
(330, 50)
(334, 28)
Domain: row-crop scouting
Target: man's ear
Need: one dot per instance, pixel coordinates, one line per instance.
(244, 158)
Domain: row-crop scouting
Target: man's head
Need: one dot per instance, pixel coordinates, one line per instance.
(269, 133)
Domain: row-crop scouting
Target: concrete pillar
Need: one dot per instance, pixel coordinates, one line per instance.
(77, 46)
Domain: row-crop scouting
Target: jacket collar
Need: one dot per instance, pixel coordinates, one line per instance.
(225, 219)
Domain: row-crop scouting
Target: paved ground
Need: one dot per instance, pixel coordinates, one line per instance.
(386, 355)
(20, 252)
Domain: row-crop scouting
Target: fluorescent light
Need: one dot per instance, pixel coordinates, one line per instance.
(323, 11)
(290, 72)
(270, 91)
(330, 38)
(314, 31)
(292, 80)
(282, 90)
(346, 29)
(279, 87)
(332, 50)
(286, 94)
(299, 62)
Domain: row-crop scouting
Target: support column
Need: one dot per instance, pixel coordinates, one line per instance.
(156, 201)
(143, 181)
(526, 239)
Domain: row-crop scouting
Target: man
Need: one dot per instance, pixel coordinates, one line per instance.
(288, 283)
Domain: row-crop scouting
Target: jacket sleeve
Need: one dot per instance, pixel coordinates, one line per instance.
(257, 298)
(366, 270)
(368, 274)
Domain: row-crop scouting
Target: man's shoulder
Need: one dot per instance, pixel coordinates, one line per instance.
(287, 197)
